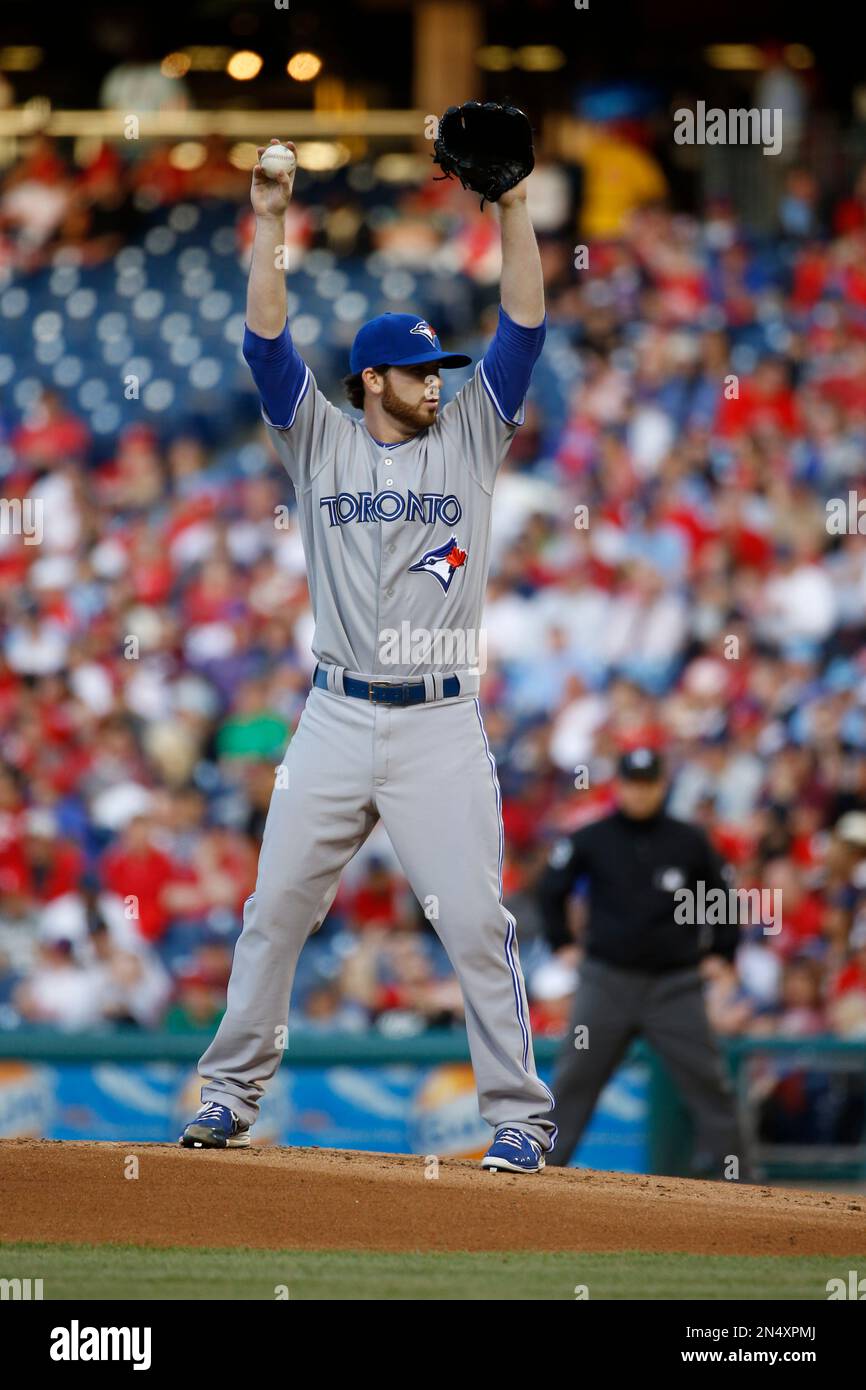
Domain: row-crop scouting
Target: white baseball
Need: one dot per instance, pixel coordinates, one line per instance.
(277, 158)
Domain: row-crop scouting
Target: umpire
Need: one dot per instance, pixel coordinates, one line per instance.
(640, 973)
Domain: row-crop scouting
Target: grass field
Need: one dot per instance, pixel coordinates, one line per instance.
(135, 1272)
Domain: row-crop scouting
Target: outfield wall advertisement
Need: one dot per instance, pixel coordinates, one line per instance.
(390, 1108)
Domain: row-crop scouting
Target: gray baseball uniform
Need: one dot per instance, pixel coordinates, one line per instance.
(397, 544)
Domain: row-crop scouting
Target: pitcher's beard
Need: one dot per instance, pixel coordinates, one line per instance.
(414, 418)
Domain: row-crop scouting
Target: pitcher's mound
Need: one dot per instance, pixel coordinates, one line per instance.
(319, 1199)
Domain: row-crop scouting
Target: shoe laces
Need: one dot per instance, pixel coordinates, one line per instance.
(514, 1138)
(211, 1111)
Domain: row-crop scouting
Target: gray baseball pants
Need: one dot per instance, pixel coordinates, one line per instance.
(426, 771)
(615, 1006)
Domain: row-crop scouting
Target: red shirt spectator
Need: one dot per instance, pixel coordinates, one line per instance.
(765, 400)
(34, 863)
(375, 902)
(135, 870)
(52, 433)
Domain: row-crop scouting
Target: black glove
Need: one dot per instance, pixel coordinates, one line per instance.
(488, 147)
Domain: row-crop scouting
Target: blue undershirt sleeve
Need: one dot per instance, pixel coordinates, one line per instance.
(280, 373)
(508, 362)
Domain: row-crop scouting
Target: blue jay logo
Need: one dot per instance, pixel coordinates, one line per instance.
(443, 562)
(425, 331)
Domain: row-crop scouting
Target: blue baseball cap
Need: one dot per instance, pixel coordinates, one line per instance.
(400, 340)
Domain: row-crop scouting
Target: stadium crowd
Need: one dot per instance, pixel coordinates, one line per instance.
(664, 570)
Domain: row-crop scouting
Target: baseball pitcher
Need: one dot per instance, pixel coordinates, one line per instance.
(394, 511)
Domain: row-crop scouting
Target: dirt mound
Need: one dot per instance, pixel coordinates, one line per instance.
(332, 1199)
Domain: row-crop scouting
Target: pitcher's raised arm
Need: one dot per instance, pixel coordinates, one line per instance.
(279, 372)
(521, 288)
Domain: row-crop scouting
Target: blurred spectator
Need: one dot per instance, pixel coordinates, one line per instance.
(51, 433)
(198, 1005)
(34, 197)
(801, 1013)
(392, 976)
(375, 902)
(133, 988)
(138, 873)
(59, 993)
(618, 176)
(253, 730)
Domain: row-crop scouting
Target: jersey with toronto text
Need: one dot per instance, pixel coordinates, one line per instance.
(396, 537)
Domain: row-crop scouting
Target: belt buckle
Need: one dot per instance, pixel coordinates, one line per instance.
(374, 685)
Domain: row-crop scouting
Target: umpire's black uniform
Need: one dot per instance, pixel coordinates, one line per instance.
(640, 971)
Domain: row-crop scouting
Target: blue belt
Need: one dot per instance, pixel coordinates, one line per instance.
(388, 692)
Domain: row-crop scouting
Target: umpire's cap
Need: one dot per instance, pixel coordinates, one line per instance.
(400, 340)
(641, 765)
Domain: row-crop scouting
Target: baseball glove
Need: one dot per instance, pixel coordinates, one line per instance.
(488, 147)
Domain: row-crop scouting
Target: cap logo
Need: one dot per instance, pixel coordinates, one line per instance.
(425, 331)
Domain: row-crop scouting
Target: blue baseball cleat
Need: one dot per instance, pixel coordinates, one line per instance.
(512, 1151)
(216, 1127)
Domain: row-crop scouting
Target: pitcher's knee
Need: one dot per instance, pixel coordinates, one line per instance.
(278, 919)
(490, 960)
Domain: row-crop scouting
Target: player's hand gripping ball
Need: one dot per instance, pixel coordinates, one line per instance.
(276, 159)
